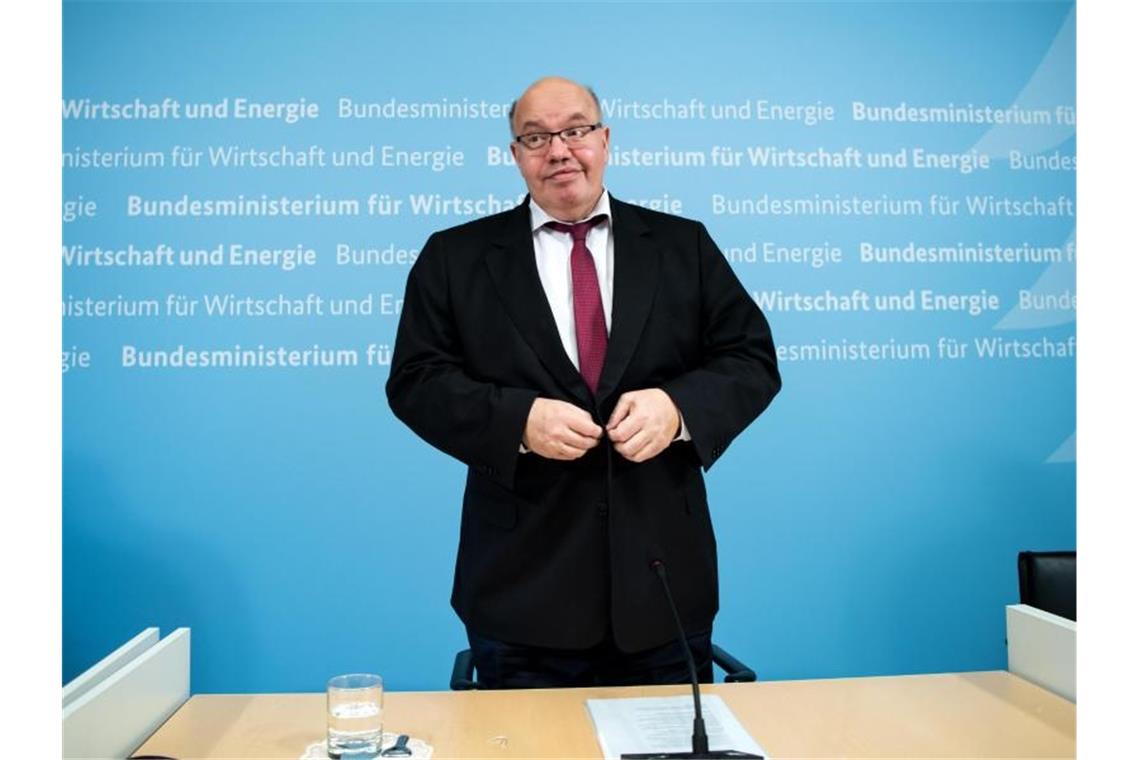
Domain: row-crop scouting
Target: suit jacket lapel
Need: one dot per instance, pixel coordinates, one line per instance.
(514, 273)
(636, 270)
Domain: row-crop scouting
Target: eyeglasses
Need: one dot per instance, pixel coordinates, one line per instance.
(570, 136)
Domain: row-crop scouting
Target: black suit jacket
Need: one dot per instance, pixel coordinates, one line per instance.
(552, 553)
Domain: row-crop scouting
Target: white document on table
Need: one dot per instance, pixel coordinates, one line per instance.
(665, 724)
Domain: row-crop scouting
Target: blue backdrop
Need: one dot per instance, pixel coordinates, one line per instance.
(892, 182)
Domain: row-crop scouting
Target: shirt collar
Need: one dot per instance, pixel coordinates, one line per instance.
(538, 217)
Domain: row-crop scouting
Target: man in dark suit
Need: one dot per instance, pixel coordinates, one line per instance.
(585, 358)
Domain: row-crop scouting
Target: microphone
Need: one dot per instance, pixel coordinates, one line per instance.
(700, 738)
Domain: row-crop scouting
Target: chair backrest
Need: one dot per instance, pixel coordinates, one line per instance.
(1048, 581)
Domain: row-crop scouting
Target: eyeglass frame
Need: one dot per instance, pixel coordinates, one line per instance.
(590, 129)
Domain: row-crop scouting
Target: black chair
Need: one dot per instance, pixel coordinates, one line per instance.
(1048, 581)
(463, 672)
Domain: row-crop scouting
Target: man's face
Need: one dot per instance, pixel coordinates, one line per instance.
(565, 180)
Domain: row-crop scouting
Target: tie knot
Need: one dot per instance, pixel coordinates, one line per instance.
(577, 231)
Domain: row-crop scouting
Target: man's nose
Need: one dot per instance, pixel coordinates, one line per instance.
(558, 149)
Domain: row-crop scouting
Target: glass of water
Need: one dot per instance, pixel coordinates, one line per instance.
(356, 715)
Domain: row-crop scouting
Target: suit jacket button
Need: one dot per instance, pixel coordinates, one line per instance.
(603, 509)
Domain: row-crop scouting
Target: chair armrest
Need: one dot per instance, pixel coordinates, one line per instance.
(735, 671)
(463, 672)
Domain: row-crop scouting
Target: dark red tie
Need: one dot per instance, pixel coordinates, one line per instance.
(589, 319)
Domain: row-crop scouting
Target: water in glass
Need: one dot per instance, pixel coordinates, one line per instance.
(355, 716)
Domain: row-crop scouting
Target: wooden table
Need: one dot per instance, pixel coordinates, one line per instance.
(987, 714)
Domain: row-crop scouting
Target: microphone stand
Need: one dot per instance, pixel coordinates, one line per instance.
(700, 737)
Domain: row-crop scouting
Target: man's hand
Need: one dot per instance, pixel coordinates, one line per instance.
(557, 430)
(643, 424)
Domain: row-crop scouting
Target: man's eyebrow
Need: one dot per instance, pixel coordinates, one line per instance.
(574, 117)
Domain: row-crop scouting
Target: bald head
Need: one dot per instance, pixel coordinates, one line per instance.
(564, 173)
(553, 85)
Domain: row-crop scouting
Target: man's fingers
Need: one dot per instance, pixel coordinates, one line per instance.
(651, 449)
(645, 454)
(555, 449)
(578, 441)
(559, 430)
(635, 443)
(581, 423)
(621, 411)
(567, 451)
(629, 427)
